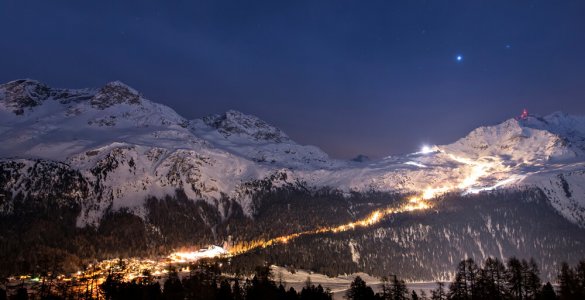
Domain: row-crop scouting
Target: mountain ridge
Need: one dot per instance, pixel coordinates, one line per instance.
(130, 148)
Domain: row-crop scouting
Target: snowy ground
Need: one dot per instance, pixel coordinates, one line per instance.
(338, 285)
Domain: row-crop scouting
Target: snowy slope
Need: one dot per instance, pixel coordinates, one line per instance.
(128, 148)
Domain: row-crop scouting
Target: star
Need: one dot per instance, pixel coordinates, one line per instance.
(459, 58)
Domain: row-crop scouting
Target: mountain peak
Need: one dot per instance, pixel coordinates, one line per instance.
(23, 93)
(234, 122)
(115, 92)
(557, 118)
(531, 137)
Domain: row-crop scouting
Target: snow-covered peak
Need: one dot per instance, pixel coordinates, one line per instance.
(250, 137)
(236, 123)
(22, 94)
(115, 93)
(533, 138)
(570, 128)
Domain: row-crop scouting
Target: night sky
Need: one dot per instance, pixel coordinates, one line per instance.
(352, 77)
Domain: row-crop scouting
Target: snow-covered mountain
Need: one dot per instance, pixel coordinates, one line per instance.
(544, 152)
(126, 149)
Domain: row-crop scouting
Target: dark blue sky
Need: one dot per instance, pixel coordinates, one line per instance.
(371, 77)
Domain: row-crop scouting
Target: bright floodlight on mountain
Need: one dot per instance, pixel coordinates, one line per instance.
(426, 149)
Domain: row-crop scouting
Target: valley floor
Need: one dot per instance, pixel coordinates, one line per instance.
(338, 285)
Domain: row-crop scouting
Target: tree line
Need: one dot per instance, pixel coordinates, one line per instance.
(514, 279)
(494, 280)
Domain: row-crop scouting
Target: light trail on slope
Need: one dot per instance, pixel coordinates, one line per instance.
(479, 168)
(414, 203)
(484, 166)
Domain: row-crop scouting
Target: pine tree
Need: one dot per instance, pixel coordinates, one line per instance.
(567, 284)
(458, 288)
(491, 282)
(386, 289)
(291, 294)
(312, 292)
(111, 285)
(358, 290)
(281, 291)
(238, 293)
(21, 294)
(547, 292)
(173, 288)
(465, 280)
(532, 279)
(399, 290)
(225, 291)
(414, 295)
(515, 278)
(439, 293)
(580, 279)
(262, 286)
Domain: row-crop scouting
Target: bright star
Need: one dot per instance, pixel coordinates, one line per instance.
(459, 58)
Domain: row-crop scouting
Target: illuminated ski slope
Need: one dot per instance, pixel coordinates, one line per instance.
(471, 178)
